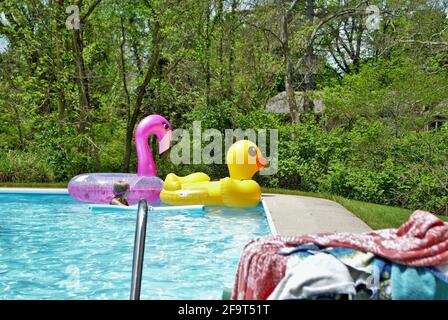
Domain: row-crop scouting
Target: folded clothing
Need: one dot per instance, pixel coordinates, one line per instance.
(421, 241)
(344, 273)
(332, 273)
(319, 275)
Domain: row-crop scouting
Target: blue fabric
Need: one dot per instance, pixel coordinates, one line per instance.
(380, 272)
(409, 283)
(442, 275)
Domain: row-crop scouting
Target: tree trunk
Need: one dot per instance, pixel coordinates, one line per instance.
(310, 62)
(82, 80)
(207, 54)
(231, 61)
(288, 65)
(123, 71)
(59, 65)
(289, 73)
(128, 97)
(220, 17)
(357, 54)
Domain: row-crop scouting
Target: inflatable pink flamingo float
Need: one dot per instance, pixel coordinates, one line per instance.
(98, 187)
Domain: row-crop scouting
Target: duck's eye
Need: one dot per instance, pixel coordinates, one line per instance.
(165, 125)
(252, 151)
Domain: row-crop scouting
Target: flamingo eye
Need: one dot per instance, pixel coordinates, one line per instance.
(252, 151)
(165, 125)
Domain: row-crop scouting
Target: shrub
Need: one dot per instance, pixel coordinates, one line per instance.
(66, 152)
(17, 166)
(220, 116)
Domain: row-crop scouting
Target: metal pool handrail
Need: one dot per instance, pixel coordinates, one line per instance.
(139, 249)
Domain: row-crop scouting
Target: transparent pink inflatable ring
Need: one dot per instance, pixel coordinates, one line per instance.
(98, 187)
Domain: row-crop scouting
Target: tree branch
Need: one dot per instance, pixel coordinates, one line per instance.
(151, 65)
(288, 13)
(331, 17)
(429, 43)
(276, 36)
(340, 65)
(90, 10)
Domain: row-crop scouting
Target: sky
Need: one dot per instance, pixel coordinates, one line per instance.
(3, 42)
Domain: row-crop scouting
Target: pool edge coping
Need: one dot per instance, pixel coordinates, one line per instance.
(35, 190)
(271, 224)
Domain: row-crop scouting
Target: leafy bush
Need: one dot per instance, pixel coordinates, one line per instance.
(368, 163)
(17, 166)
(62, 150)
(220, 116)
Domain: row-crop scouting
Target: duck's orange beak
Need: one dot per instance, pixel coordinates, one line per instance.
(261, 161)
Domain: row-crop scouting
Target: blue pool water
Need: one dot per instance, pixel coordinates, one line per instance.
(52, 247)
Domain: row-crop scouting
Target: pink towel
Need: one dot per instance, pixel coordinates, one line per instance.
(421, 241)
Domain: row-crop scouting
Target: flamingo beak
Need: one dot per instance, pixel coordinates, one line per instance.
(261, 161)
(165, 143)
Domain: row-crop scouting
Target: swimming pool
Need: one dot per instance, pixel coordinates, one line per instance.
(52, 247)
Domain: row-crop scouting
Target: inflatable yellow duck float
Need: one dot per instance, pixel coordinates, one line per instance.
(244, 159)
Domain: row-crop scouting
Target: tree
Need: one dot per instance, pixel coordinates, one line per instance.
(82, 77)
(135, 113)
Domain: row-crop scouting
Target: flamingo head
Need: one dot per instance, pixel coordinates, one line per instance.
(158, 126)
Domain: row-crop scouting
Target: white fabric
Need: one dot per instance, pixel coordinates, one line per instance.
(319, 274)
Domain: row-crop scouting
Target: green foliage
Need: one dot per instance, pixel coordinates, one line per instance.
(61, 148)
(16, 166)
(398, 92)
(304, 154)
(366, 163)
(259, 119)
(220, 117)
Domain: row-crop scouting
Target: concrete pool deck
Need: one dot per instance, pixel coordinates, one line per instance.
(298, 215)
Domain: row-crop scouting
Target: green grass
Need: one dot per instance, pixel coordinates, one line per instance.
(376, 216)
(33, 185)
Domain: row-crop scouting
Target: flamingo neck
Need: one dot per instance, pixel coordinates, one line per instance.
(146, 165)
